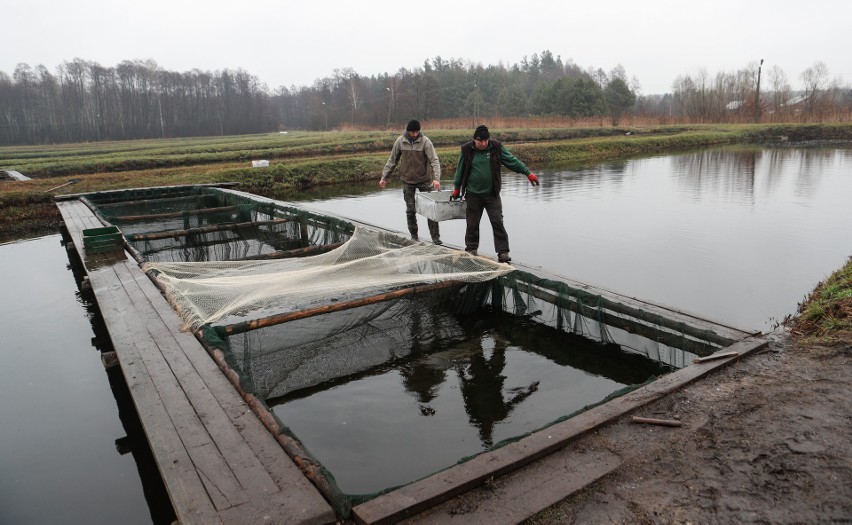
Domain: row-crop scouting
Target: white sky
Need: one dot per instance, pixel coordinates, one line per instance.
(287, 43)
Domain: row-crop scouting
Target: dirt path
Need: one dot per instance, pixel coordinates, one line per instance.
(765, 440)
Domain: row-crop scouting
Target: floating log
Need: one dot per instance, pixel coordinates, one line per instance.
(653, 421)
(272, 320)
(714, 357)
(203, 229)
(174, 214)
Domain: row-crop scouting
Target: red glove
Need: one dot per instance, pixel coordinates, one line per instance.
(533, 179)
(455, 196)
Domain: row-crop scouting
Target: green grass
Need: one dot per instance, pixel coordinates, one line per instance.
(100, 157)
(827, 313)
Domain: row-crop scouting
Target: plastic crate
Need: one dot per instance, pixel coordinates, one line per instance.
(437, 206)
(103, 240)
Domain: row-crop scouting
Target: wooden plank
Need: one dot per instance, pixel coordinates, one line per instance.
(233, 468)
(220, 483)
(270, 484)
(522, 494)
(189, 497)
(420, 495)
(299, 497)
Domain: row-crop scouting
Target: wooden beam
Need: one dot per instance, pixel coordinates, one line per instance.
(346, 305)
(203, 229)
(174, 214)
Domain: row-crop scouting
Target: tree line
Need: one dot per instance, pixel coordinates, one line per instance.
(84, 101)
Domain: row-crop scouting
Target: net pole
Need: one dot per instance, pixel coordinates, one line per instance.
(272, 320)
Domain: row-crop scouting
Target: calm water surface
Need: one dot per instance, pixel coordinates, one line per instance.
(59, 418)
(736, 235)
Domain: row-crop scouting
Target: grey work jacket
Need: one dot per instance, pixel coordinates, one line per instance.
(416, 162)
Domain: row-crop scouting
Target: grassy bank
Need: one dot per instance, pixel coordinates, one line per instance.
(304, 159)
(825, 317)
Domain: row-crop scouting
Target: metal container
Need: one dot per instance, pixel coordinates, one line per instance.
(437, 206)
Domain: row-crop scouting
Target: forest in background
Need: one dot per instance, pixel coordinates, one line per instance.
(84, 101)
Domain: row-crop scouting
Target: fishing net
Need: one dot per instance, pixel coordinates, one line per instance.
(371, 262)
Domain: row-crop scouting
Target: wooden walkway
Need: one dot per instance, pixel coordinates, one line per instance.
(217, 460)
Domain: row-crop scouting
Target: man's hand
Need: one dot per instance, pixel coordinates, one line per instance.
(436, 184)
(383, 183)
(455, 196)
(533, 179)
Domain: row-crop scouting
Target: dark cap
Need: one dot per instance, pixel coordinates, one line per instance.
(481, 133)
(413, 125)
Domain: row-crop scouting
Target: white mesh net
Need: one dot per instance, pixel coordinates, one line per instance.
(371, 262)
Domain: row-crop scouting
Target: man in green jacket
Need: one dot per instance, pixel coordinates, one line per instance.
(419, 170)
(478, 180)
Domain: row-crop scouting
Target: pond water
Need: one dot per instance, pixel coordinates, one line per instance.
(738, 235)
(420, 414)
(67, 426)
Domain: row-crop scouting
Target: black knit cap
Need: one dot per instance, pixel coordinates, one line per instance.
(481, 133)
(413, 125)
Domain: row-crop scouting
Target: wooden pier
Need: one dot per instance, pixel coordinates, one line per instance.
(217, 460)
(220, 462)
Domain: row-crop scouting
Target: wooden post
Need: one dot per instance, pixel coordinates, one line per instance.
(757, 95)
(272, 320)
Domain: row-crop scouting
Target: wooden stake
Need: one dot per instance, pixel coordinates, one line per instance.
(652, 421)
(346, 305)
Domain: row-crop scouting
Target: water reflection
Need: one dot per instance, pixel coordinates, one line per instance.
(448, 399)
(482, 388)
(54, 389)
(734, 234)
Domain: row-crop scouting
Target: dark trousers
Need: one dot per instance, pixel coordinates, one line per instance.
(493, 205)
(411, 214)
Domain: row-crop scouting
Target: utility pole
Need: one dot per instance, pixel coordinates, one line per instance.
(757, 95)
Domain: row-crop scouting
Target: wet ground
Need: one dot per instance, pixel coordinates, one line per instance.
(765, 440)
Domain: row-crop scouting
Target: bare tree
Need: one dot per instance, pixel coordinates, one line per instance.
(814, 79)
(779, 86)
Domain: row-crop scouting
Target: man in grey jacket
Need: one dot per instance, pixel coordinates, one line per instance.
(419, 170)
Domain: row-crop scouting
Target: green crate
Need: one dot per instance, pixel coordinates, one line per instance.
(93, 232)
(103, 240)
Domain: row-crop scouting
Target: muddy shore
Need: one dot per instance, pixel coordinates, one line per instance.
(764, 440)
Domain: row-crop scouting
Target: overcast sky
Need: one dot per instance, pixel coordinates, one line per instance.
(287, 43)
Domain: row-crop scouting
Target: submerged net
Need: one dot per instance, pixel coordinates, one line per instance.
(371, 262)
